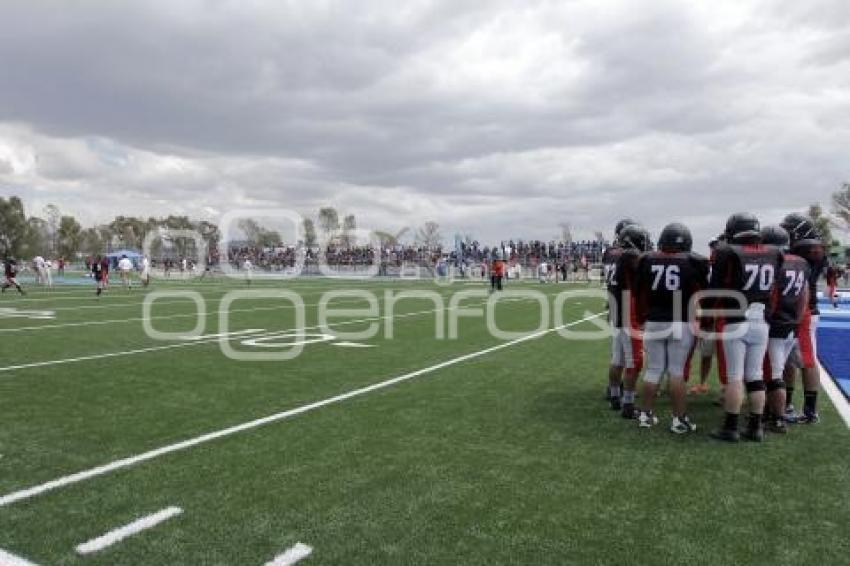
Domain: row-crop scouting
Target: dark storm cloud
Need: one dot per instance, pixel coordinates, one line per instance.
(531, 112)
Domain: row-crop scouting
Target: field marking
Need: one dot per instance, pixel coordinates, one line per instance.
(131, 461)
(194, 343)
(352, 345)
(838, 400)
(292, 555)
(128, 530)
(14, 312)
(9, 559)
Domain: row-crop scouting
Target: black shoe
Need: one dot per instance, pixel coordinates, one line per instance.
(808, 418)
(616, 405)
(777, 426)
(753, 434)
(628, 411)
(726, 435)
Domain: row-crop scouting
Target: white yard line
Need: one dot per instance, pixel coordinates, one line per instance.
(191, 343)
(221, 433)
(9, 559)
(139, 318)
(835, 395)
(119, 534)
(292, 555)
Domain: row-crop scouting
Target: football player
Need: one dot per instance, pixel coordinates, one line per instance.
(628, 340)
(789, 315)
(831, 284)
(746, 270)
(10, 271)
(707, 345)
(609, 263)
(99, 273)
(125, 266)
(666, 283)
(806, 243)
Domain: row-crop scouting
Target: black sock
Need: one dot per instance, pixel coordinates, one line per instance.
(789, 393)
(755, 421)
(810, 401)
(731, 421)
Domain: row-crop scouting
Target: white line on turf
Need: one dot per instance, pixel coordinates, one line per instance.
(9, 559)
(130, 529)
(187, 344)
(221, 433)
(837, 398)
(292, 555)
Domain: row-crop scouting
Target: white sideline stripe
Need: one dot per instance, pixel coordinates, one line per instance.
(292, 555)
(119, 534)
(189, 343)
(9, 559)
(837, 398)
(139, 318)
(221, 433)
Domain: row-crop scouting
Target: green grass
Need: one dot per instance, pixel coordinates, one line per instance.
(510, 457)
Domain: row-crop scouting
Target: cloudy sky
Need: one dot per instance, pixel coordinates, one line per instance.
(496, 118)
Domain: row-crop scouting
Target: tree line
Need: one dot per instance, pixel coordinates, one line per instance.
(60, 234)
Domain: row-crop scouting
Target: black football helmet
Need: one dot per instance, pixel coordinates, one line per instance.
(635, 237)
(676, 237)
(742, 225)
(775, 236)
(799, 227)
(622, 224)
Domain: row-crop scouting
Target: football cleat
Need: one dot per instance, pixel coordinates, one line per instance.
(616, 404)
(628, 411)
(753, 434)
(777, 426)
(646, 419)
(790, 415)
(808, 418)
(726, 435)
(682, 425)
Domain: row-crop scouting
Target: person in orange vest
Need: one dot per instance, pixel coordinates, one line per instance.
(497, 270)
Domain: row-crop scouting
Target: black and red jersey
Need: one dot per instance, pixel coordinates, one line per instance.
(10, 268)
(814, 253)
(791, 294)
(97, 270)
(666, 283)
(750, 269)
(623, 282)
(609, 269)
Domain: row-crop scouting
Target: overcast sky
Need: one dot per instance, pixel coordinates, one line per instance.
(496, 118)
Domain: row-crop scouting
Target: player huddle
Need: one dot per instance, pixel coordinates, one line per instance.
(754, 302)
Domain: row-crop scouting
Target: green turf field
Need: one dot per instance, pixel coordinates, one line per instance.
(485, 452)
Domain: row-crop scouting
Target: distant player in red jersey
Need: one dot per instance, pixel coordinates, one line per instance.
(99, 273)
(10, 271)
(831, 285)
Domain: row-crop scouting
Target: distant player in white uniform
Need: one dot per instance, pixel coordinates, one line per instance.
(48, 276)
(248, 267)
(38, 265)
(146, 271)
(543, 272)
(125, 266)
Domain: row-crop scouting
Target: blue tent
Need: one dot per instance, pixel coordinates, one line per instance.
(132, 255)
